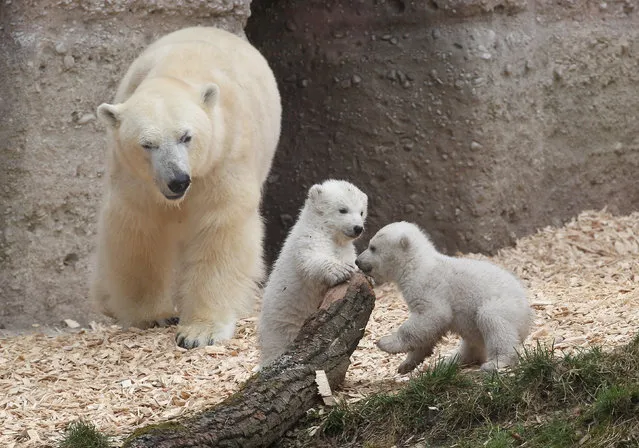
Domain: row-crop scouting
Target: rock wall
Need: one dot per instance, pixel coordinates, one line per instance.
(59, 59)
(480, 120)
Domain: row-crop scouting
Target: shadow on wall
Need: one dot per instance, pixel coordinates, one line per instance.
(479, 125)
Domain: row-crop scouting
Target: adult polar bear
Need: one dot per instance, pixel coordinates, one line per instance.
(191, 138)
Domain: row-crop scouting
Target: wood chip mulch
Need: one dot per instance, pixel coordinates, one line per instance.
(582, 282)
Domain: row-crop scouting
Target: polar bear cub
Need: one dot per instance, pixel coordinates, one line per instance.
(483, 303)
(317, 254)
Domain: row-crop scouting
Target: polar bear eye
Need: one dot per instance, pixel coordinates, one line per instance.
(186, 137)
(343, 211)
(148, 146)
(372, 249)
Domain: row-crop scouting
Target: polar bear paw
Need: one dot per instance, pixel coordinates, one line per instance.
(493, 365)
(202, 334)
(391, 344)
(337, 273)
(489, 367)
(169, 322)
(408, 365)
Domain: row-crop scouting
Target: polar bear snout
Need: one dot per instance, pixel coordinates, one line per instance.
(171, 169)
(179, 184)
(357, 230)
(366, 268)
(353, 231)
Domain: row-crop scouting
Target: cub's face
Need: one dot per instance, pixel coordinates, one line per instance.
(341, 206)
(163, 133)
(385, 255)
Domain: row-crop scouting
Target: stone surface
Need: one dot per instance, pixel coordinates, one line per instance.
(481, 120)
(481, 130)
(58, 61)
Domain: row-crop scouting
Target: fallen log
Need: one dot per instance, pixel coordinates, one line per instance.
(274, 399)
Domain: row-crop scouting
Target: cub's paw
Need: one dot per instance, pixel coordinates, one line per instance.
(489, 366)
(390, 344)
(337, 273)
(199, 335)
(493, 365)
(406, 366)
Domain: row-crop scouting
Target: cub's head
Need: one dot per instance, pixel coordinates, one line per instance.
(341, 208)
(392, 247)
(164, 133)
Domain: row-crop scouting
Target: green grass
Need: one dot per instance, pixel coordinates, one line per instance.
(81, 434)
(616, 402)
(587, 399)
(415, 406)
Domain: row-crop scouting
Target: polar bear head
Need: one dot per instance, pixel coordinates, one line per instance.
(391, 249)
(164, 133)
(338, 207)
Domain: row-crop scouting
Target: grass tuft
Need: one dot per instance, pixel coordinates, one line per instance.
(81, 434)
(415, 406)
(537, 366)
(616, 402)
(589, 398)
(554, 434)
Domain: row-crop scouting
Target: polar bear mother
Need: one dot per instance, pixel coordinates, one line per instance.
(191, 136)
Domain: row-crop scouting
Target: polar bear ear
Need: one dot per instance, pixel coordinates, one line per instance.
(315, 192)
(109, 114)
(210, 95)
(404, 242)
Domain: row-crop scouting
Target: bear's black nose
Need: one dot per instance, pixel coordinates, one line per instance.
(180, 183)
(365, 268)
(358, 230)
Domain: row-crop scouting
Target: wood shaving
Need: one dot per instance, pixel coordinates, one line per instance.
(324, 388)
(581, 280)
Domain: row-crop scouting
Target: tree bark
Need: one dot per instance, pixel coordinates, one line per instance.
(275, 398)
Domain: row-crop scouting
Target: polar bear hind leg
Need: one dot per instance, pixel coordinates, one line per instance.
(500, 336)
(469, 352)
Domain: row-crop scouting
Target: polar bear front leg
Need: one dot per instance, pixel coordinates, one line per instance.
(413, 359)
(326, 269)
(417, 333)
(132, 279)
(218, 281)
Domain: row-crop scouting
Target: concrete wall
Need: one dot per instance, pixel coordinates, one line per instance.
(58, 61)
(480, 120)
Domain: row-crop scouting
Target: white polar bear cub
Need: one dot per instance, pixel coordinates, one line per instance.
(483, 303)
(318, 253)
(191, 137)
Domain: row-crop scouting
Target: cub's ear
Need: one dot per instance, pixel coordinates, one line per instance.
(109, 114)
(404, 242)
(315, 192)
(210, 95)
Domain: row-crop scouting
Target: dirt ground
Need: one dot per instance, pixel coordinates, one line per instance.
(582, 281)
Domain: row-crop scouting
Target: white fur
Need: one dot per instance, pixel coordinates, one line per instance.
(317, 254)
(199, 102)
(483, 303)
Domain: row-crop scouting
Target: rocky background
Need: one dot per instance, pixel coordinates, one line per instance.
(480, 120)
(59, 60)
